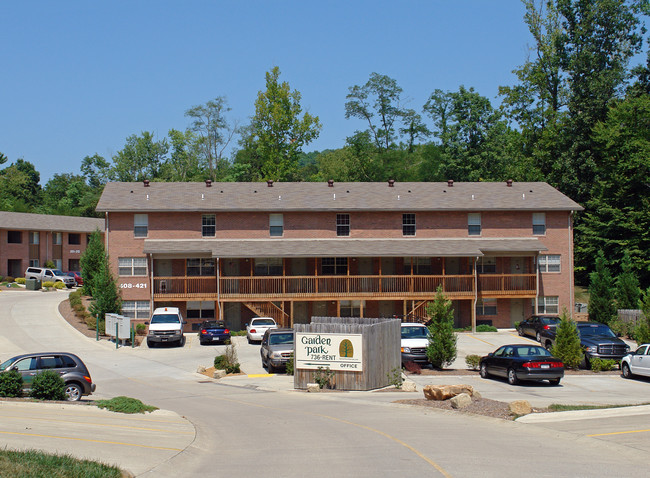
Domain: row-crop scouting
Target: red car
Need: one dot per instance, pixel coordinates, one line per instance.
(78, 280)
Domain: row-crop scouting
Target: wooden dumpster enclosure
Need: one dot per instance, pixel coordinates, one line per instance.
(380, 351)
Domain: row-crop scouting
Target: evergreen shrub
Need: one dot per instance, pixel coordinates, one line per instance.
(11, 383)
(48, 385)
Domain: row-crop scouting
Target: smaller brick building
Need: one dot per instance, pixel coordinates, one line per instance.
(33, 239)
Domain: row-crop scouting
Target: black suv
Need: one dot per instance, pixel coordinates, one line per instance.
(597, 340)
(72, 370)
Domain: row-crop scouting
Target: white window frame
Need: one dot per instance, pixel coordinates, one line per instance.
(351, 308)
(34, 238)
(33, 263)
(474, 224)
(548, 305)
(486, 307)
(342, 225)
(140, 225)
(136, 309)
(539, 224)
(128, 266)
(549, 263)
(276, 225)
(208, 225)
(409, 227)
(57, 238)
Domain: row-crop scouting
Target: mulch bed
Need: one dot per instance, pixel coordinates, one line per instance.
(479, 406)
(65, 309)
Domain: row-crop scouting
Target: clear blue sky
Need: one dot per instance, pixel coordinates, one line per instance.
(78, 77)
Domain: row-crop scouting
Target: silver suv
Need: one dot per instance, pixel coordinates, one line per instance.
(72, 370)
(44, 274)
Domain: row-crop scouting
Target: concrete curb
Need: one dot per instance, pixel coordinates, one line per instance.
(584, 414)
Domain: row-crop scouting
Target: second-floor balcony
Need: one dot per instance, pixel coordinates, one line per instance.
(379, 287)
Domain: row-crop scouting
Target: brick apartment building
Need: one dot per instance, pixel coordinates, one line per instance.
(33, 239)
(500, 251)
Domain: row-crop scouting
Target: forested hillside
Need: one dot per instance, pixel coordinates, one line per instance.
(577, 117)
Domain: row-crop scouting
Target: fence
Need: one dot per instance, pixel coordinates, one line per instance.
(380, 340)
(630, 315)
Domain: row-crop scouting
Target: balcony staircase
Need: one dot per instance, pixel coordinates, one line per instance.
(269, 309)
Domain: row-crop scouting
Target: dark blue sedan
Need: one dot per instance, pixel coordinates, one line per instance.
(522, 362)
(214, 332)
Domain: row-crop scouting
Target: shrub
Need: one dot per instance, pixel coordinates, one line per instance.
(567, 343)
(49, 264)
(140, 329)
(237, 333)
(48, 283)
(622, 328)
(9, 279)
(641, 332)
(227, 361)
(75, 298)
(11, 384)
(59, 285)
(220, 362)
(413, 367)
(20, 280)
(48, 385)
(441, 350)
(472, 361)
(290, 365)
(602, 365)
(517, 324)
(323, 377)
(486, 328)
(124, 404)
(395, 377)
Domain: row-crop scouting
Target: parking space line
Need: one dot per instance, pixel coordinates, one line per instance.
(257, 375)
(521, 337)
(618, 433)
(92, 441)
(484, 341)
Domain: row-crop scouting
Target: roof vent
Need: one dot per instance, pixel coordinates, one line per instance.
(509, 183)
(330, 183)
(146, 183)
(450, 183)
(208, 183)
(269, 183)
(391, 183)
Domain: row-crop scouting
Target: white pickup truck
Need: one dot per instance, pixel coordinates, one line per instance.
(166, 325)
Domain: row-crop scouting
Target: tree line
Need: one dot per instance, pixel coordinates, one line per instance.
(577, 117)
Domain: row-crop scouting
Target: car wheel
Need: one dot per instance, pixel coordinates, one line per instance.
(538, 337)
(625, 369)
(512, 377)
(70, 286)
(484, 373)
(586, 363)
(554, 381)
(181, 342)
(151, 344)
(249, 339)
(73, 392)
(270, 367)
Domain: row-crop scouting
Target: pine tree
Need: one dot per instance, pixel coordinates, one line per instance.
(567, 342)
(107, 297)
(627, 285)
(91, 262)
(602, 307)
(441, 350)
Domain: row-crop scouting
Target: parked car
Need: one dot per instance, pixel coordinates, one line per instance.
(214, 331)
(45, 274)
(522, 362)
(166, 325)
(258, 325)
(414, 342)
(276, 349)
(71, 368)
(637, 362)
(534, 325)
(78, 280)
(597, 340)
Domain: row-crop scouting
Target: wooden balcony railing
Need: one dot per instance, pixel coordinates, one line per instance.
(313, 287)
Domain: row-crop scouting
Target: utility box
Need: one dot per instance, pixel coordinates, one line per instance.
(32, 284)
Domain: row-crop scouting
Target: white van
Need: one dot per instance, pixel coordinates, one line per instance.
(166, 325)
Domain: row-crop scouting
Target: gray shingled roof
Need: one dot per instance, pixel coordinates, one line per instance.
(402, 247)
(47, 222)
(341, 197)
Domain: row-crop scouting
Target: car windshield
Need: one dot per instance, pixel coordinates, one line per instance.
(595, 330)
(276, 339)
(165, 319)
(213, 325)
(415, 332)
(550, 320)
(532, 351)
(6, 363)
(259, 322)
(57, 272)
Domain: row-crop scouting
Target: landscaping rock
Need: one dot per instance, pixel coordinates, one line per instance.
(445, 392)
(409, 386)
(476, 395)
(201, 369)
(219, 374)
(313, 387)
(520, 407)
(460, 401)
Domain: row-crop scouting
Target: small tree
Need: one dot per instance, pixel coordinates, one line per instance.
(567, 343)
(627, 285)
(92, 260)
(602, 307)
(441, 350)
(107, 297)
(642, 329)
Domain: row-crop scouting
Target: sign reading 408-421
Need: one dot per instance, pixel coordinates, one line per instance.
(336, 351)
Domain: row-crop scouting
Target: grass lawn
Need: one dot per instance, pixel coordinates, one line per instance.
(35, 464)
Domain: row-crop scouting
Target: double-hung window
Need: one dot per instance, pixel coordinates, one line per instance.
(140, 225)
(57, 238)
(539, 223)
(268, 266)
(208, 225)
(136, 309)
(132, 266)
(200, 267)
(474, 224)
(14, 237)
(408, 224)
(486, 307)
(548, 305)
(549, 263)
(276, 224)
(334, 266)
(33, 237)
(74, 239)
(487, 265)
(342, 224)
